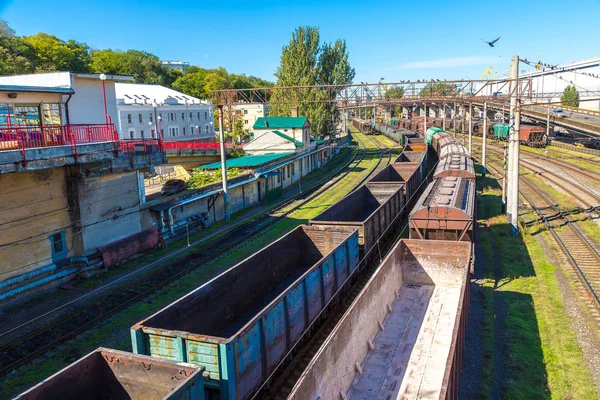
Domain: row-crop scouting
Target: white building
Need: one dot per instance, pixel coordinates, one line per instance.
(179, 65)
(250, 113)
(142, 108)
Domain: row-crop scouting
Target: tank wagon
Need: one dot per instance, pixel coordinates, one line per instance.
(371, 209)
(112, 374)
(445, 211)
(455, 165)
(419, 295)
(241, 324)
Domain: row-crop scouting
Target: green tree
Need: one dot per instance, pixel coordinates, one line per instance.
(570, 97)
(394, 93)
(438, 89)
(305, 62)
(54, 54)
(238, 130)
(145, 67)
(16, 55)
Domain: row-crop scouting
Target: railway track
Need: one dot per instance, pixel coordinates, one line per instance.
(580, 253)
(26, 346)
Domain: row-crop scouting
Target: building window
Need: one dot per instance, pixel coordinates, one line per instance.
(162, 132)
(129, 118)
(151, 117)
(198, 115)
(245, 112)
(58, 244)
(279, 177)
(140, 117)
(184, 131)
(293, 169)
(245, 122)
(173, 131)
(206, 128)
(288, 171)
(205, 114)
(191, 118)
(171, 117)
(183, 116)
(142, 133)
(131, 133)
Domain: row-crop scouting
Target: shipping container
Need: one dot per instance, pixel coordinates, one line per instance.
(241, 324)
(403, 335)
(445, 211)
(112, 374)
(370, 209)
(456, 165)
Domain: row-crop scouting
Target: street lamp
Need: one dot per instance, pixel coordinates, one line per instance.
(212, 131)
(197, 133)
(103, 78)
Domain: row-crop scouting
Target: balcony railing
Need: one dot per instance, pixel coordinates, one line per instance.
(21, 137)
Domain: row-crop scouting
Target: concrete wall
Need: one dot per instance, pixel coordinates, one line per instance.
(268, 142)
(33, 205)
(109, 209)
(87, 104)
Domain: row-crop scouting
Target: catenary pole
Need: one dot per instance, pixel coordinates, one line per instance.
(512, 139)
(484, 150)
(223, 164)
(470, 128)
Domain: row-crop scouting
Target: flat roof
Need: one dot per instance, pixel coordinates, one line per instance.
(247, 161)
(36, 89)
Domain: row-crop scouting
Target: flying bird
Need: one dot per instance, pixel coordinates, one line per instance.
(491, 44)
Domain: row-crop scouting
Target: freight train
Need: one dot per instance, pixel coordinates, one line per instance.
(226, 338)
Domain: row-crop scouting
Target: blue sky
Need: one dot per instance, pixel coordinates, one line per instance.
(391, 39)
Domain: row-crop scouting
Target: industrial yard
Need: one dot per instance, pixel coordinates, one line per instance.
(297, 226)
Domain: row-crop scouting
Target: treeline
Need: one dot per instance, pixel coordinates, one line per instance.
(48, 53)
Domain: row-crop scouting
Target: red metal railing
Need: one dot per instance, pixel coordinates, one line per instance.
(195, 145)
(141, 145)
(21, 137)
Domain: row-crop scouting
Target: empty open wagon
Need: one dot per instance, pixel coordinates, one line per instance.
(242, 323)
(106, 374)
(411, 174)
(455, 165)
(445, 211)
(402, 337)
(370, 209)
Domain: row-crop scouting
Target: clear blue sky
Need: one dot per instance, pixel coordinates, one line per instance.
(394, 39)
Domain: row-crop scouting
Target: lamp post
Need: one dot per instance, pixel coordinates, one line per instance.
(150, 127)
(103, 78)
(197, 133)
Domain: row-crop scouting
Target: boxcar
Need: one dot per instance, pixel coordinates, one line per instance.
(532, 135)
(370, 209)
(406, 328)
(445, 211)
(113, 374)
(243, 322)
(456, 165)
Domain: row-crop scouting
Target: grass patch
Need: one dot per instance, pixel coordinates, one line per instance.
(541, 356)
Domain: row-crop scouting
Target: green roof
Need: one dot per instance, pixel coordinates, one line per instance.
(319, 141)
(279, 122)
(291, 139)
(247, 161)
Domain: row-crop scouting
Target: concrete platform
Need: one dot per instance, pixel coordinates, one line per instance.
(408, 359)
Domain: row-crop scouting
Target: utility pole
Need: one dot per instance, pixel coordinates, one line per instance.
(471, 128)
(548, 122)
(424, 118)
(454, 120)
(444, 117)
(484, 150)
(223, 164)
(513, 146)
(516, 164)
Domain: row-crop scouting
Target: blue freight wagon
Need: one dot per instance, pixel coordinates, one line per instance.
(114, 374)
(242, 323)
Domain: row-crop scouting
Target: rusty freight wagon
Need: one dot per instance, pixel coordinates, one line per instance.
(441, 139)
(411, 174)
(533, 136)
(362, 125)
(445, 211)
(370, 209)
(456, 165)
(242, 323)
(402, 336)
(456, 148)
(112, 374)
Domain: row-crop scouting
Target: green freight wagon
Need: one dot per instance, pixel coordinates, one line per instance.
(501, 131)
(430, 132)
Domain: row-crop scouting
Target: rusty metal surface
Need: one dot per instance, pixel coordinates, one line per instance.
(343, 360)
(455, 165)
(453, 148)
(106, 374)
(123, 249)
(240, 324)
(370, 209)
(445, 211)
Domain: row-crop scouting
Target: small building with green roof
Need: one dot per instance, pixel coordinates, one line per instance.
(293, 130)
